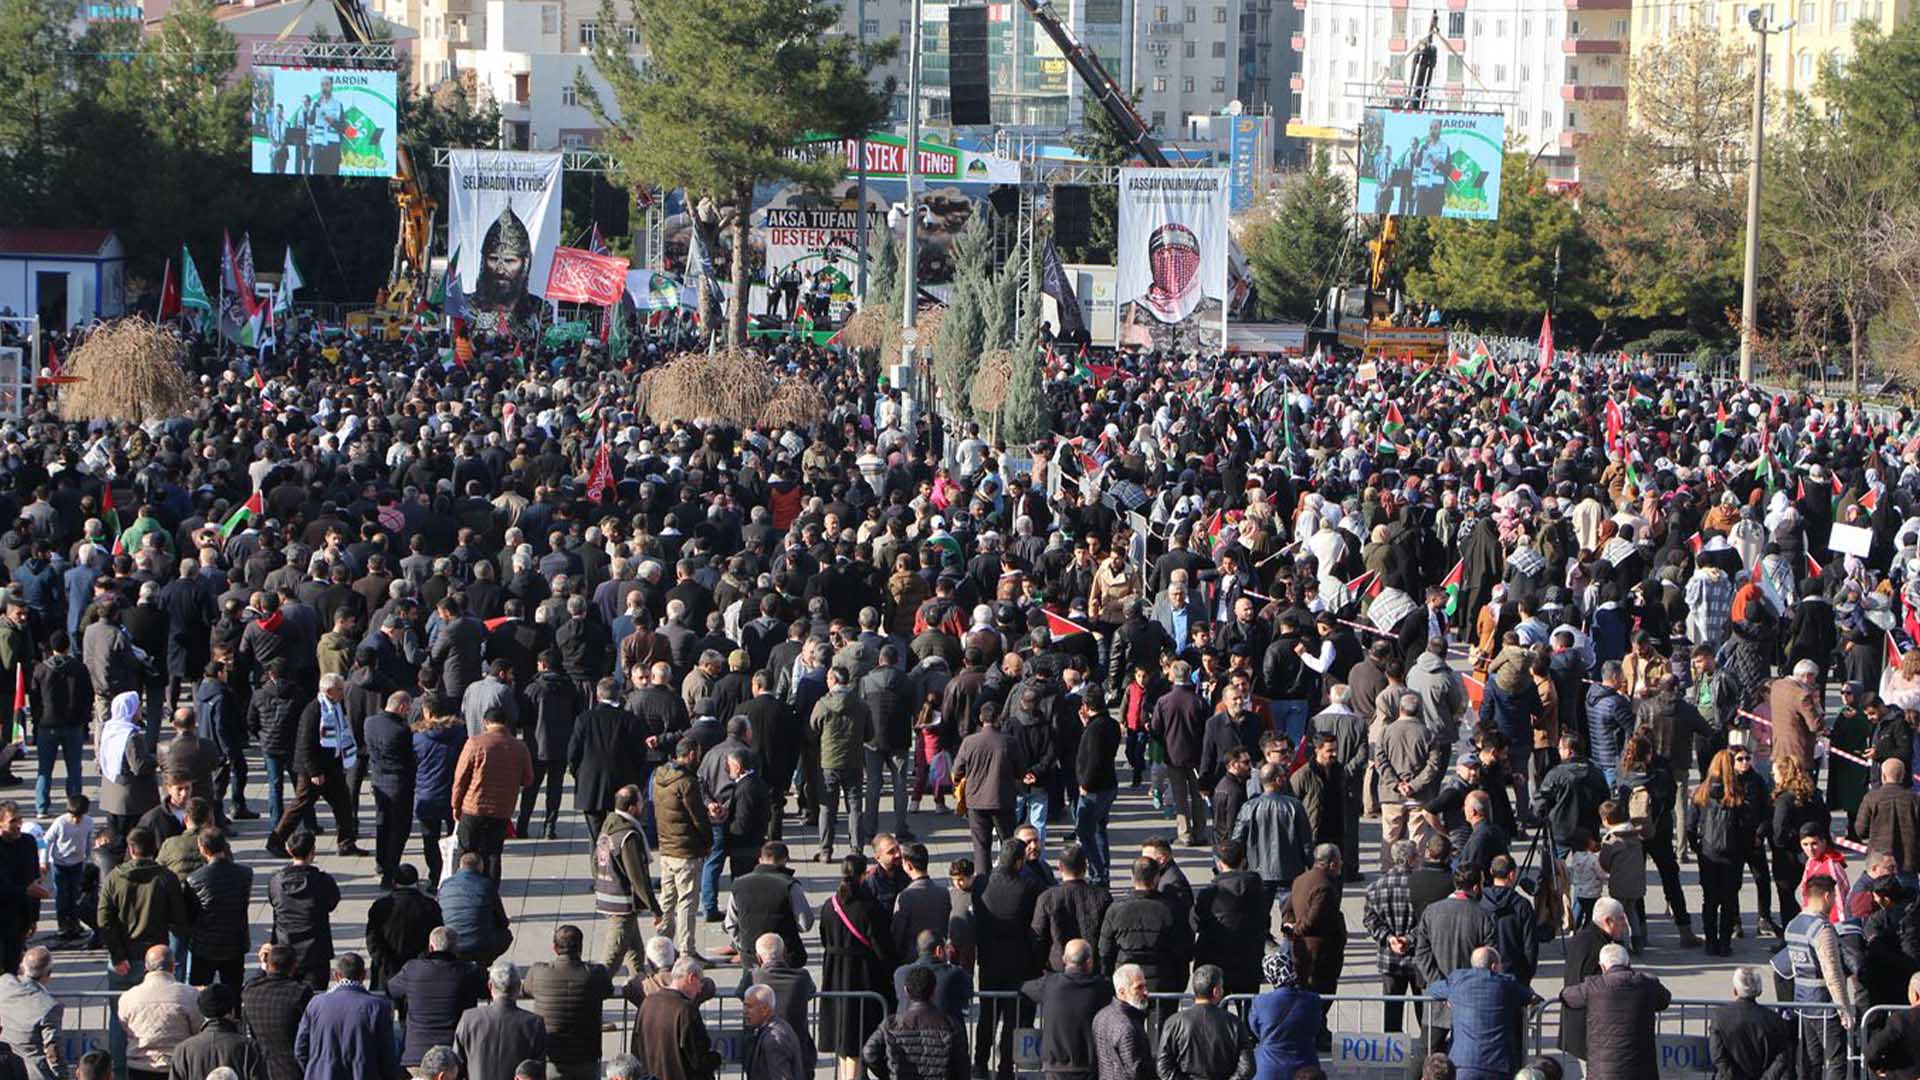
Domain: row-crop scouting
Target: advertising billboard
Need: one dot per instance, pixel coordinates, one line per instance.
(1430, 164)
(318, 121)
(1171, 271)
(808, 246)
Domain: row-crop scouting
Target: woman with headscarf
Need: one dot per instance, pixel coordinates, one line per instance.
(1483, 564)
(1285, 1020)
(128, 787)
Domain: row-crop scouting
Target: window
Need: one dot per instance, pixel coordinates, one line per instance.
(569, 96)
(632, 31)
(1400, 22)
(589, 33)
(1295, 106)
(1546, 28)
(1220, 15)
(1219, 50)
(1499, 73)
(1159, 119)
(1456, 24)
(1526, 26)
(1809, 14)
(870, 27)
(1353, 28)
(1398, 67)
(1159, 86)
(1219, 85)
(1353, 69)
(1186, 85)
(1603, 61)
(549, 18)
(1620, 28)
(1499, 28)
(1456, 68)
(571, 142)
(1476, 27)
(1803, 66)
(1314, 27)
(1524, 75)
(1840, 15)
(1190, 15)
(1573, 74)
(1572, 120)
(1186, 49)
(1160, 13)
(1546, 120)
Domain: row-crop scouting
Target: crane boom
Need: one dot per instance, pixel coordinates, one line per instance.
(407, 278)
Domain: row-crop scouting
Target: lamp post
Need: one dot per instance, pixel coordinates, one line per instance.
(909, 263)
(1749, 297)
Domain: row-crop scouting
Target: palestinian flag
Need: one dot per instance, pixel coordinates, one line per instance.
(1763, 470)
(1472, 368)
(1694, 543)
(109, 516)
(1215, 526)
(1060, 626)
(1893, 652)
(1615, 423)
(1639, 398)
(1813, 567)
(1720, 418)
(22, 706)
(1870, 501)
(249, 510)
(1393, 423)
(1367, 584)
(260, 389)
(1633, 476)
(1455, 580)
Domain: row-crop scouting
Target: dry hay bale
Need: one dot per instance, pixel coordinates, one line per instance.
(128, 370)
(926, 324)
(990, 382)
(796, 403)
(868, 328)
(730, 386)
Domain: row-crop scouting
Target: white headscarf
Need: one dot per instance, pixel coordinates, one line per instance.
(122, 724)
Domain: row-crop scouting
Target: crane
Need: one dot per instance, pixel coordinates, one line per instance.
(407, 277)
(1086, 63)
(1368, 324)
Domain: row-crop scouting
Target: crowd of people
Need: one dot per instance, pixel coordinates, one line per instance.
(1543, 636)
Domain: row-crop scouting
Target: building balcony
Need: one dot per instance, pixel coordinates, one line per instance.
(1397, 44)
(1165, 29)
(1598, 5)
(1591, 46)
(1572, 140)
(1296, 82)
(1593, 93)
(1299, 42)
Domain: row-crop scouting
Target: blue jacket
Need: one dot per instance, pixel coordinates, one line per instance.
(1488, 1012)
(79, 589)
(389, 753)
(470, 907)
(435, 752)
(1285, 1021)
(40, 582)
(1609, 722)
(346, 1034)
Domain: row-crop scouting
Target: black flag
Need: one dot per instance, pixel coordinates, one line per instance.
(1054, 283)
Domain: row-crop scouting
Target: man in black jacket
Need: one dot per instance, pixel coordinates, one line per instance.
(399, 927)
(1749, 1040)
(1069, 999)
(1205, 1041)
(272, 1004)
(323, 753)
(608, 749)
(1232, 915)
(220, 1042)
(391, 764)
(218, 896)
(1609, 925)
(1145, 928)
(1096, 782)
(547, 721)
(769, 900)
(1072, 910)
(567, 993)
(748, 810)
(892, 703)
(431, 992)
(920, 1037)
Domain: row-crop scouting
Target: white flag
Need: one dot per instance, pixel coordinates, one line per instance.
(290, 282)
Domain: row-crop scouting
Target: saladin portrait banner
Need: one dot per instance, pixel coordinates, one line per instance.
(1171, 272)
(503, 223)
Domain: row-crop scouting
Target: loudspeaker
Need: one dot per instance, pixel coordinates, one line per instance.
(1072, 215)
(610, 206)
(967, 65)
(1005, 199)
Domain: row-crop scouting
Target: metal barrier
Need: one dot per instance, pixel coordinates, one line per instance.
(1682, 1032)
(1863, 1033)
(727, 1027)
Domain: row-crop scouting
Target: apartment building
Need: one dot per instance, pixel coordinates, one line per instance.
(1552, 67)
(1821, 30)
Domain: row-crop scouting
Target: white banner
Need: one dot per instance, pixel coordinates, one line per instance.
(809, 245)
(1171, 273)
(503, 222)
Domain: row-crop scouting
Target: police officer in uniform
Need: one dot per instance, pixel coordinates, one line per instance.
(1820, 975)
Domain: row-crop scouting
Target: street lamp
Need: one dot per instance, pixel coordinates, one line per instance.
(1757, 22)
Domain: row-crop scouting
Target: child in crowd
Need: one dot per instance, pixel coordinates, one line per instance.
(1623, 859)
(67, 839)
(1587, 879)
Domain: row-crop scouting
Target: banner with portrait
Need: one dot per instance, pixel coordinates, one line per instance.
(503, 224)
(1171, 271)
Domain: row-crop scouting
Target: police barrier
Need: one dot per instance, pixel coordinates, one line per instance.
(1871, 1021)
(727, 1028)
(1682, 1034)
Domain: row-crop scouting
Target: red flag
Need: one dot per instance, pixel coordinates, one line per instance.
(1101, 372)
(169, 295)
(1214, 526)
(1799, 490)
(53, 360)
(1694, 542)
(1871, 500)
(1367, 584)
(1546, 340)
(19, 688)
(1060, 626)
(1813, 567)
(495, 624)
(1614, 423)
(1893, 652)
(602, 475)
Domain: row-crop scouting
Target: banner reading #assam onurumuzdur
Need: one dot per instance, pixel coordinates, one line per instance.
(503, 222)
(1171, 271)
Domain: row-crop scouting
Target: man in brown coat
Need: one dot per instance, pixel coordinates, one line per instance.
(1796, 714)
(1319, 928)
(1889, 817)
(670, 1038)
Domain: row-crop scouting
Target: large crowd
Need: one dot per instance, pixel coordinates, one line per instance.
(1546, 625)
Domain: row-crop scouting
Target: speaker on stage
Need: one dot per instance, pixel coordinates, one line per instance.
(1005, 200)
(1072, 215)
(967, 65)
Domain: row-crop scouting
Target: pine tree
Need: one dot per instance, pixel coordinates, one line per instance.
(883, 282)
(1003, 310)
(1297, 250)
(728, 88)
(1024, 419)
(957, 346)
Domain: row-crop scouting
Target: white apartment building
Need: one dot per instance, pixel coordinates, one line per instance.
(1550, 66)
(527, 54)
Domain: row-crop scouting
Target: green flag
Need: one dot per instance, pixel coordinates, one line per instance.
(617, 332)
(193, 294)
